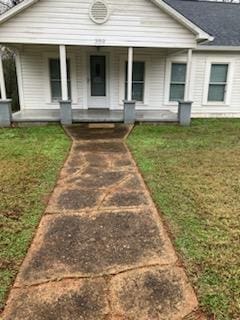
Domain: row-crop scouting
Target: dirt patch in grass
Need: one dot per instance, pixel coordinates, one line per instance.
(30, 160)
(194, 176)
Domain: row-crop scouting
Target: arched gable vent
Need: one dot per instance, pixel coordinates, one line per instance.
(99, 11)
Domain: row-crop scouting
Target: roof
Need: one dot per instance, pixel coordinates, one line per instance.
(221, 20)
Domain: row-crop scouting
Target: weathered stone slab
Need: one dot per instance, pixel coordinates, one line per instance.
(97, 160)
(69, 199)
(101, 147)
(64, 300)
(152, 293)
(133, 182)
(80, 245)
(75, 160)
(82, 163)
(125, 198)
(122, 162)
(97, 179)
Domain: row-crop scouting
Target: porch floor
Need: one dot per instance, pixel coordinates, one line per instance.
(93, 115)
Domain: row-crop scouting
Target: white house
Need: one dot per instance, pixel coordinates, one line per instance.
(98, 53)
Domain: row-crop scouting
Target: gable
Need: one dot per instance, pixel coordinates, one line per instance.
(137, 23)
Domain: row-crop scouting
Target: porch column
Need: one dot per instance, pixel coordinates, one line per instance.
(65, 103)
(2, 80)
(188, 75)
(130, 72)
(129, 104)
(5, 104)
(185, 106)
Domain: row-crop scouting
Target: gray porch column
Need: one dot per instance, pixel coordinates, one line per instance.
(66, 112)
(129, 111)
(184, 112)
(5, 113)
(5, 104)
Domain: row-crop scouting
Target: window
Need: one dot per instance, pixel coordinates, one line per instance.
(55, 79)
(177, 81)
(137, 82)
(218, 82)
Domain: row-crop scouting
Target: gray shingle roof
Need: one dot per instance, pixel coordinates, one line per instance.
(221, 20)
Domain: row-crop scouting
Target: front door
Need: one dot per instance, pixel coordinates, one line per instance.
(97, 82)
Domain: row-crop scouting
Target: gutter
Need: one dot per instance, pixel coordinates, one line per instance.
(216, 48)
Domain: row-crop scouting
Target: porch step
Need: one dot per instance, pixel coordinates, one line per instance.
(101, 125)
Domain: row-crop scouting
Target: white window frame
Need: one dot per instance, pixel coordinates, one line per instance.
(228, 88)
(47, 80)
(122, 79)
(167, 82)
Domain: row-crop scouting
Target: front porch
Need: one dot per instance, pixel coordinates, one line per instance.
(93, 115)
(112, 84)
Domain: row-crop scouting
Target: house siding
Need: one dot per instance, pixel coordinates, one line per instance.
(199, 81)
(36, 86)
(32, 78)
(131, 23)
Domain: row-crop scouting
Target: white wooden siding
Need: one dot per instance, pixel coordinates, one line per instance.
(200, 61)
(36, 80)
(32, 77)
(131, 23)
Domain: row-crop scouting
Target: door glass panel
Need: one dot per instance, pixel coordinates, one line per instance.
(98, 76)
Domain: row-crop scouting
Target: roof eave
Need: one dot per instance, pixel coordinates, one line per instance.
(17, 9)
(217, 48)
(202, 40)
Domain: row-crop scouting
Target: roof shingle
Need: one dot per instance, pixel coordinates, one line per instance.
(221, 20)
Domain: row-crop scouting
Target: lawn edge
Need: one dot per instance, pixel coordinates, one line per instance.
(48, 196)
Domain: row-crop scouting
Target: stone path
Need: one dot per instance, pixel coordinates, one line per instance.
(101, 252)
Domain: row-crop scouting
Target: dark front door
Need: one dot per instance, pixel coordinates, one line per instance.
(98, 88)
(98, 76)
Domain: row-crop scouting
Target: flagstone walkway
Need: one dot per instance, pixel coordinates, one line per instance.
(101, 251)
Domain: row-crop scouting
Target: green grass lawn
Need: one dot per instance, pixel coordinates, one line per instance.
(30, 160)
(194, 176)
